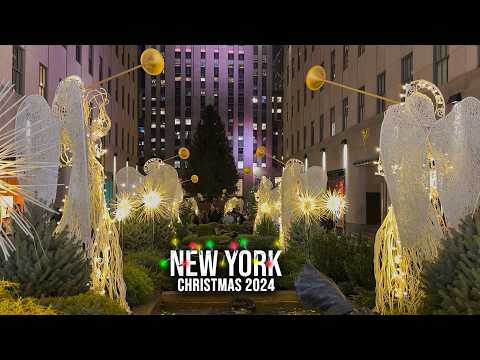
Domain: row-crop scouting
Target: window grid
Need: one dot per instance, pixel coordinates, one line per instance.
(18, 69)
(344, 114)
(407, 68)
(346, 50)
(42, 81)
(440, 64)
(381, 92)
(361, 106)
(332, 65)
(332, 121)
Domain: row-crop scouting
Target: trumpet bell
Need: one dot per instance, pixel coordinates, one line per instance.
(152, 61)
(183, 153)
(315, 78)
(261, 151)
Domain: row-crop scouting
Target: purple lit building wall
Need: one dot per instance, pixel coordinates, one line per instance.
(237, 79)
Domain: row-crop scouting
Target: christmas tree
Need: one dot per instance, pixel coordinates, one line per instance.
(452, 283)
(48, 265)
(211, 158)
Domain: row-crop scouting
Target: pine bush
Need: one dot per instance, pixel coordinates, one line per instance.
(49, 265)
(451, 284)
(138, 282)
(267, 227)
(136, 235)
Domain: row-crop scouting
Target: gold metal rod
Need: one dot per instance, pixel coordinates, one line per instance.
(280, 162)
(94, 85)
(171, 157)
(362, 91)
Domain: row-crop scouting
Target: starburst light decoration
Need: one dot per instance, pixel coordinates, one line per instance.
(123, 207)
(333, 204)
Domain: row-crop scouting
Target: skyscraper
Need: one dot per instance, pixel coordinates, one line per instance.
(236, 79)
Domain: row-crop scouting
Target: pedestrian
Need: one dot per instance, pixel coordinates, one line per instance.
(228, 219)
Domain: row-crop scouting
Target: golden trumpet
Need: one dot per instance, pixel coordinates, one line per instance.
(317, 77)
(151, 61)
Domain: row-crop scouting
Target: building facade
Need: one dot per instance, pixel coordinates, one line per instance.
(37, 69)
(236, 79)
(339, 129)
(277, 108)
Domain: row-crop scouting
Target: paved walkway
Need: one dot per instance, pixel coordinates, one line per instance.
(172, 302)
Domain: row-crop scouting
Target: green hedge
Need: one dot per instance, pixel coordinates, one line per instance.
(136, 235)
(205, 229)
(218, 240)
(140, 286)
(88, 303)
(258, 242)
(150, 260)
(348, 260)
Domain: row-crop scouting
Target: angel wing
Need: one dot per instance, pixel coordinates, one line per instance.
(38, 142)
(455, 140)
(403, 139)
(314, 180)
